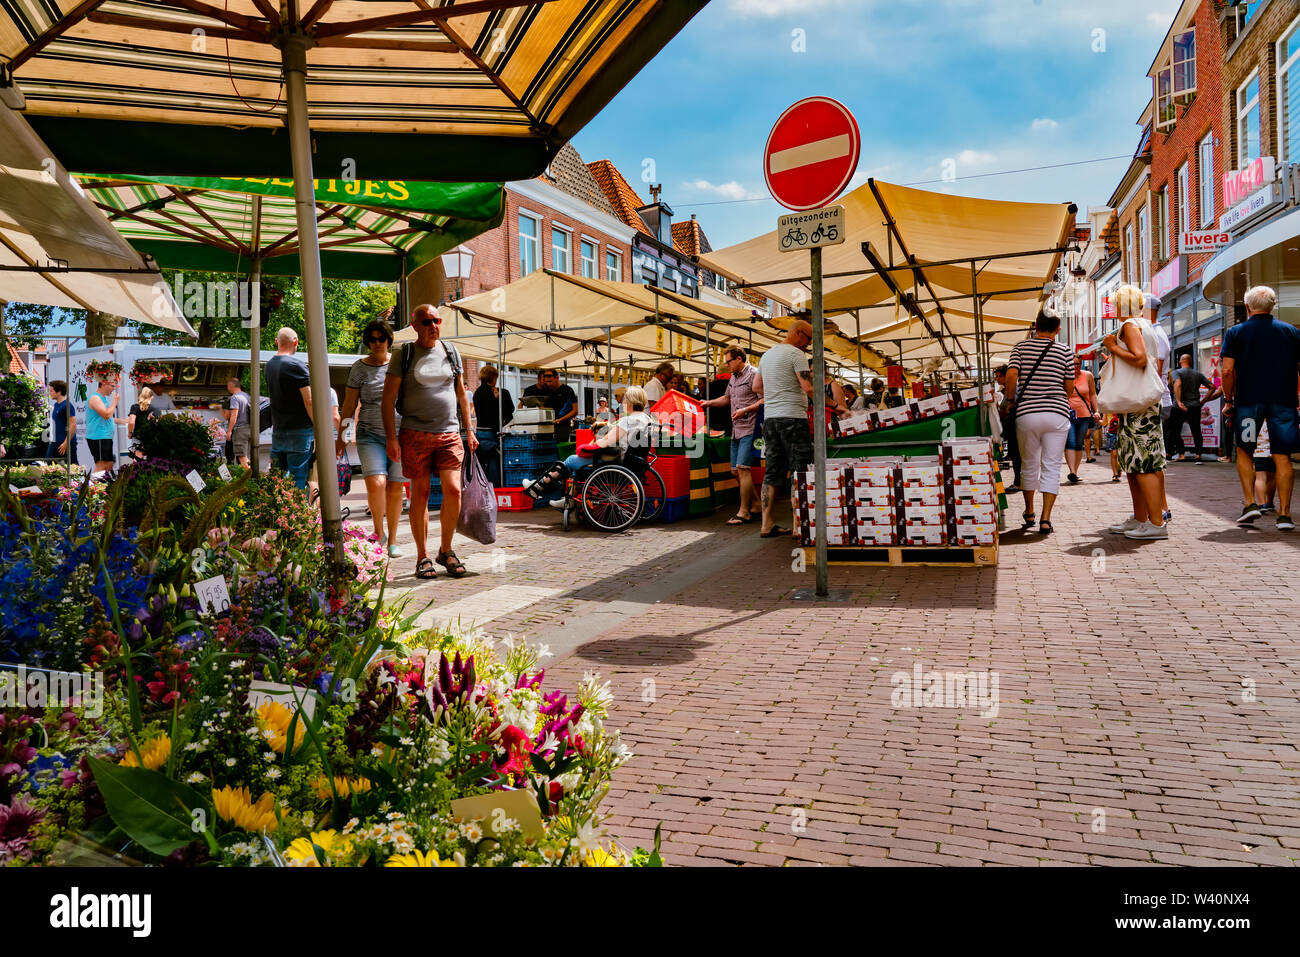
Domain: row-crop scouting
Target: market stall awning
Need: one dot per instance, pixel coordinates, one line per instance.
(1014, 248)
(467, 90)
(57, 249)
(368, 230)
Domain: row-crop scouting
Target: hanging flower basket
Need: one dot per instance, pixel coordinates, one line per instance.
(23, 410)
(149, 371)
(99, 369)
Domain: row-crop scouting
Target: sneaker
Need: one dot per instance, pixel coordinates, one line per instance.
(395, 552)
(1145, 531)
(1265, 509)
(1249, 514)
(562, 502)
(1284, 523)
(1168, 517)
(1127, 525)
(1072, 479)
(1198, 460)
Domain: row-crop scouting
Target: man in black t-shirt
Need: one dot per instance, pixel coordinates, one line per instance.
(289, 384)
(561, 399)
(1187, 383)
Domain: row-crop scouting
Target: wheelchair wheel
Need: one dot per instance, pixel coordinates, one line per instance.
(564, 518)
(653, 486)
(612, 498)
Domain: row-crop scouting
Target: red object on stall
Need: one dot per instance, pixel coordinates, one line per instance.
(675, 471)
(894, 378)
(918, 390)
(513, 500)
(679, 412)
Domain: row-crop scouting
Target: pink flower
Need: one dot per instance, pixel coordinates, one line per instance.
(16, 824)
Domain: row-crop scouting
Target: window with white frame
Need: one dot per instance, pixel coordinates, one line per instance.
(1130, 254)
(613, 267)
(589, 248)
(1205, 178)
(1160, 222)
(719, 283)
(560, 243)
(1184, 220)
(1288, 94)
(1184, 68)
(530, 229)
(1144, 247)
(1164, 99)
(1248, 122)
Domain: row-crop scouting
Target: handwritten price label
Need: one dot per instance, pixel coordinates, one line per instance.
(213, 595)
(223, 472)
(196, 480)
(260, 692)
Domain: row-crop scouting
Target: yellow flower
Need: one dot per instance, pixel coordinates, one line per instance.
(419, 859)
(153, 754)
(236, 805)
(302, 853)
(346, 787)
(276, 718)
(599, 857)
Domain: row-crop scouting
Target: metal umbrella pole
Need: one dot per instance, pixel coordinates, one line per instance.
(255, 345)
(294, 57)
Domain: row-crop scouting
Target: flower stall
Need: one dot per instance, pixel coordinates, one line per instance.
(186, 681)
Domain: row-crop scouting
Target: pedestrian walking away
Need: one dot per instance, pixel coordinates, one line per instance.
(1041, 376)
(785, 385)
(1187, 383)
(238, 421)
(1083, 406)
(293, 444)
(1261, 371)
(425, 385)
(362, 421)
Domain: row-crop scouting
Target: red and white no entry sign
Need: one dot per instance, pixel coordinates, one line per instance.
(811, 153)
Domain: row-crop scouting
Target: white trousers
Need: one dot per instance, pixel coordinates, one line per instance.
(1042, 438)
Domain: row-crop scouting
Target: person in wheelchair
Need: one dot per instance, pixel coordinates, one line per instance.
(630, 435)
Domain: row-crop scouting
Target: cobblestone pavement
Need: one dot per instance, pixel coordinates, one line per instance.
(1146, 692)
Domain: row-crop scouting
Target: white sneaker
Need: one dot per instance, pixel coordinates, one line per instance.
(1127, 525)
(395, 552)
(1145, 530)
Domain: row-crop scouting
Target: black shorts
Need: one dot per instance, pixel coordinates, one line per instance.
(787, 447)
(101, 450)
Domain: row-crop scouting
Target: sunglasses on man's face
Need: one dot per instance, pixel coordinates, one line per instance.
(430, 321)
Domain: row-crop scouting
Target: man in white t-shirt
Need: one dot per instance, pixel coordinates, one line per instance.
(1151, 305)
(785, 385)
(657, 387)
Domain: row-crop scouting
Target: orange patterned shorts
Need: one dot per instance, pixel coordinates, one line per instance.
(425, 453)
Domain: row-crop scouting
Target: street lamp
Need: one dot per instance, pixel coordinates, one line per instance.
(456, 264)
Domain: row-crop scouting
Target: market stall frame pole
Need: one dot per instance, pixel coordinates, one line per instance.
(819, 420)
(609, 368)
(501, 426)
(255, 345)
(293, 52)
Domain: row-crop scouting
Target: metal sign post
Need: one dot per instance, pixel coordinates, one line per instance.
(819, 418)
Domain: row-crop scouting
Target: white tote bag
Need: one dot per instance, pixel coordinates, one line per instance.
(1125, 388)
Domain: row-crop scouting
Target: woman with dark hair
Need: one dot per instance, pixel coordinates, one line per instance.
(1041, 377)
(362, 414)
(492, 407)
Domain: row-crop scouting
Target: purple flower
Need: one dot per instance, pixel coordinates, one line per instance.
(16, 824)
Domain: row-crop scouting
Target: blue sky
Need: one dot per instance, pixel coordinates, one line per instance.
(992, 84)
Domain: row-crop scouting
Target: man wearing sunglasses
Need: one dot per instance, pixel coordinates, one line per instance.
(426, 379)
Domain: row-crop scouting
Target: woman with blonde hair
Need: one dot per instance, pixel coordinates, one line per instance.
(1140, 445)
(141, 410)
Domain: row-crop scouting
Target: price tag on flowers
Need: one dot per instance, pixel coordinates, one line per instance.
(213, 595)
(196, 480)
(223, 472)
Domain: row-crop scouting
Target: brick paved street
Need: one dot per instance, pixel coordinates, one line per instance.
(1124, 731)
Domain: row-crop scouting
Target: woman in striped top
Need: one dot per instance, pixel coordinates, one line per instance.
(1041, 377)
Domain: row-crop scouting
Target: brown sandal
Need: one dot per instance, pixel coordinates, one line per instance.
(424, 569)
(455, 567)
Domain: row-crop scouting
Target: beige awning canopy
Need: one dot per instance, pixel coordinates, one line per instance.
(46, 221)
(1014, 248)
(551, 318)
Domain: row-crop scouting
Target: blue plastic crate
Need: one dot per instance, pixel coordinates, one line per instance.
(529, 459)
(516, 477)
(511, 441)
(675, 509)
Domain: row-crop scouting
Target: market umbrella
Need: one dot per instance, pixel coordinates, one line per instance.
(476, 90)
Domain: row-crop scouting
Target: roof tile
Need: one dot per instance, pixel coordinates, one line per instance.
(622, 197)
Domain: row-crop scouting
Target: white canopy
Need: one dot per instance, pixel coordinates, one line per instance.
(45, 220)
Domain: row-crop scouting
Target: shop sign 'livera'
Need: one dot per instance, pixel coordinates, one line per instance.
(1203, 240)
(1240, 183)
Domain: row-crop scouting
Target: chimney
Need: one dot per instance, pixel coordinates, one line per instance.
(658, 216)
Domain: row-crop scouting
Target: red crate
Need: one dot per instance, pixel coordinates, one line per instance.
(513, 500)
(675, 470)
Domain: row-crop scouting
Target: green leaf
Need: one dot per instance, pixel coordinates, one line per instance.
(153, 810)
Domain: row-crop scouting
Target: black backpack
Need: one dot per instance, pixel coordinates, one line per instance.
(406, 355)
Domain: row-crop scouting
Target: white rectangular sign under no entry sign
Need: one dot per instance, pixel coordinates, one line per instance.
(813, 227)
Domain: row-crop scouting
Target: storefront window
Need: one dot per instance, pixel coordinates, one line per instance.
(1184, 318)
(1248, 122)
(1288, 94)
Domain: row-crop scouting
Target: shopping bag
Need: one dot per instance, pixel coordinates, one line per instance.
(1125, 389)
(478, 503)
(344, 475)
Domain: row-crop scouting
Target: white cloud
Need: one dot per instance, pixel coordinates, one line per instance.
(779, 8)
(1158, 20)
(730, 190)
(974, 158)
(1043, 123)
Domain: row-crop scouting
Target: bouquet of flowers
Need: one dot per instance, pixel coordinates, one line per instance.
(23, 410)
(98, 369)
(149, 371)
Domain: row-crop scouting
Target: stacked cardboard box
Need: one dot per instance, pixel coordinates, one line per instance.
(946, 499)
(914, 410)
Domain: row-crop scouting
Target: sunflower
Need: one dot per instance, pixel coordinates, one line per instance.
(419, 859)
(236, 805)
(302, 852)
(346, 787)
(276, 718)
(599, 857)
(153, 754)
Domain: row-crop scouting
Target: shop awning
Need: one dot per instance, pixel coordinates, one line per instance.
(368, 230)
(1014, 248)
(470, 90)
(57, 249)
(1268, 255)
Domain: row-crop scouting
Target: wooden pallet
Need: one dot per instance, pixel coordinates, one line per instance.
(906, 555)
